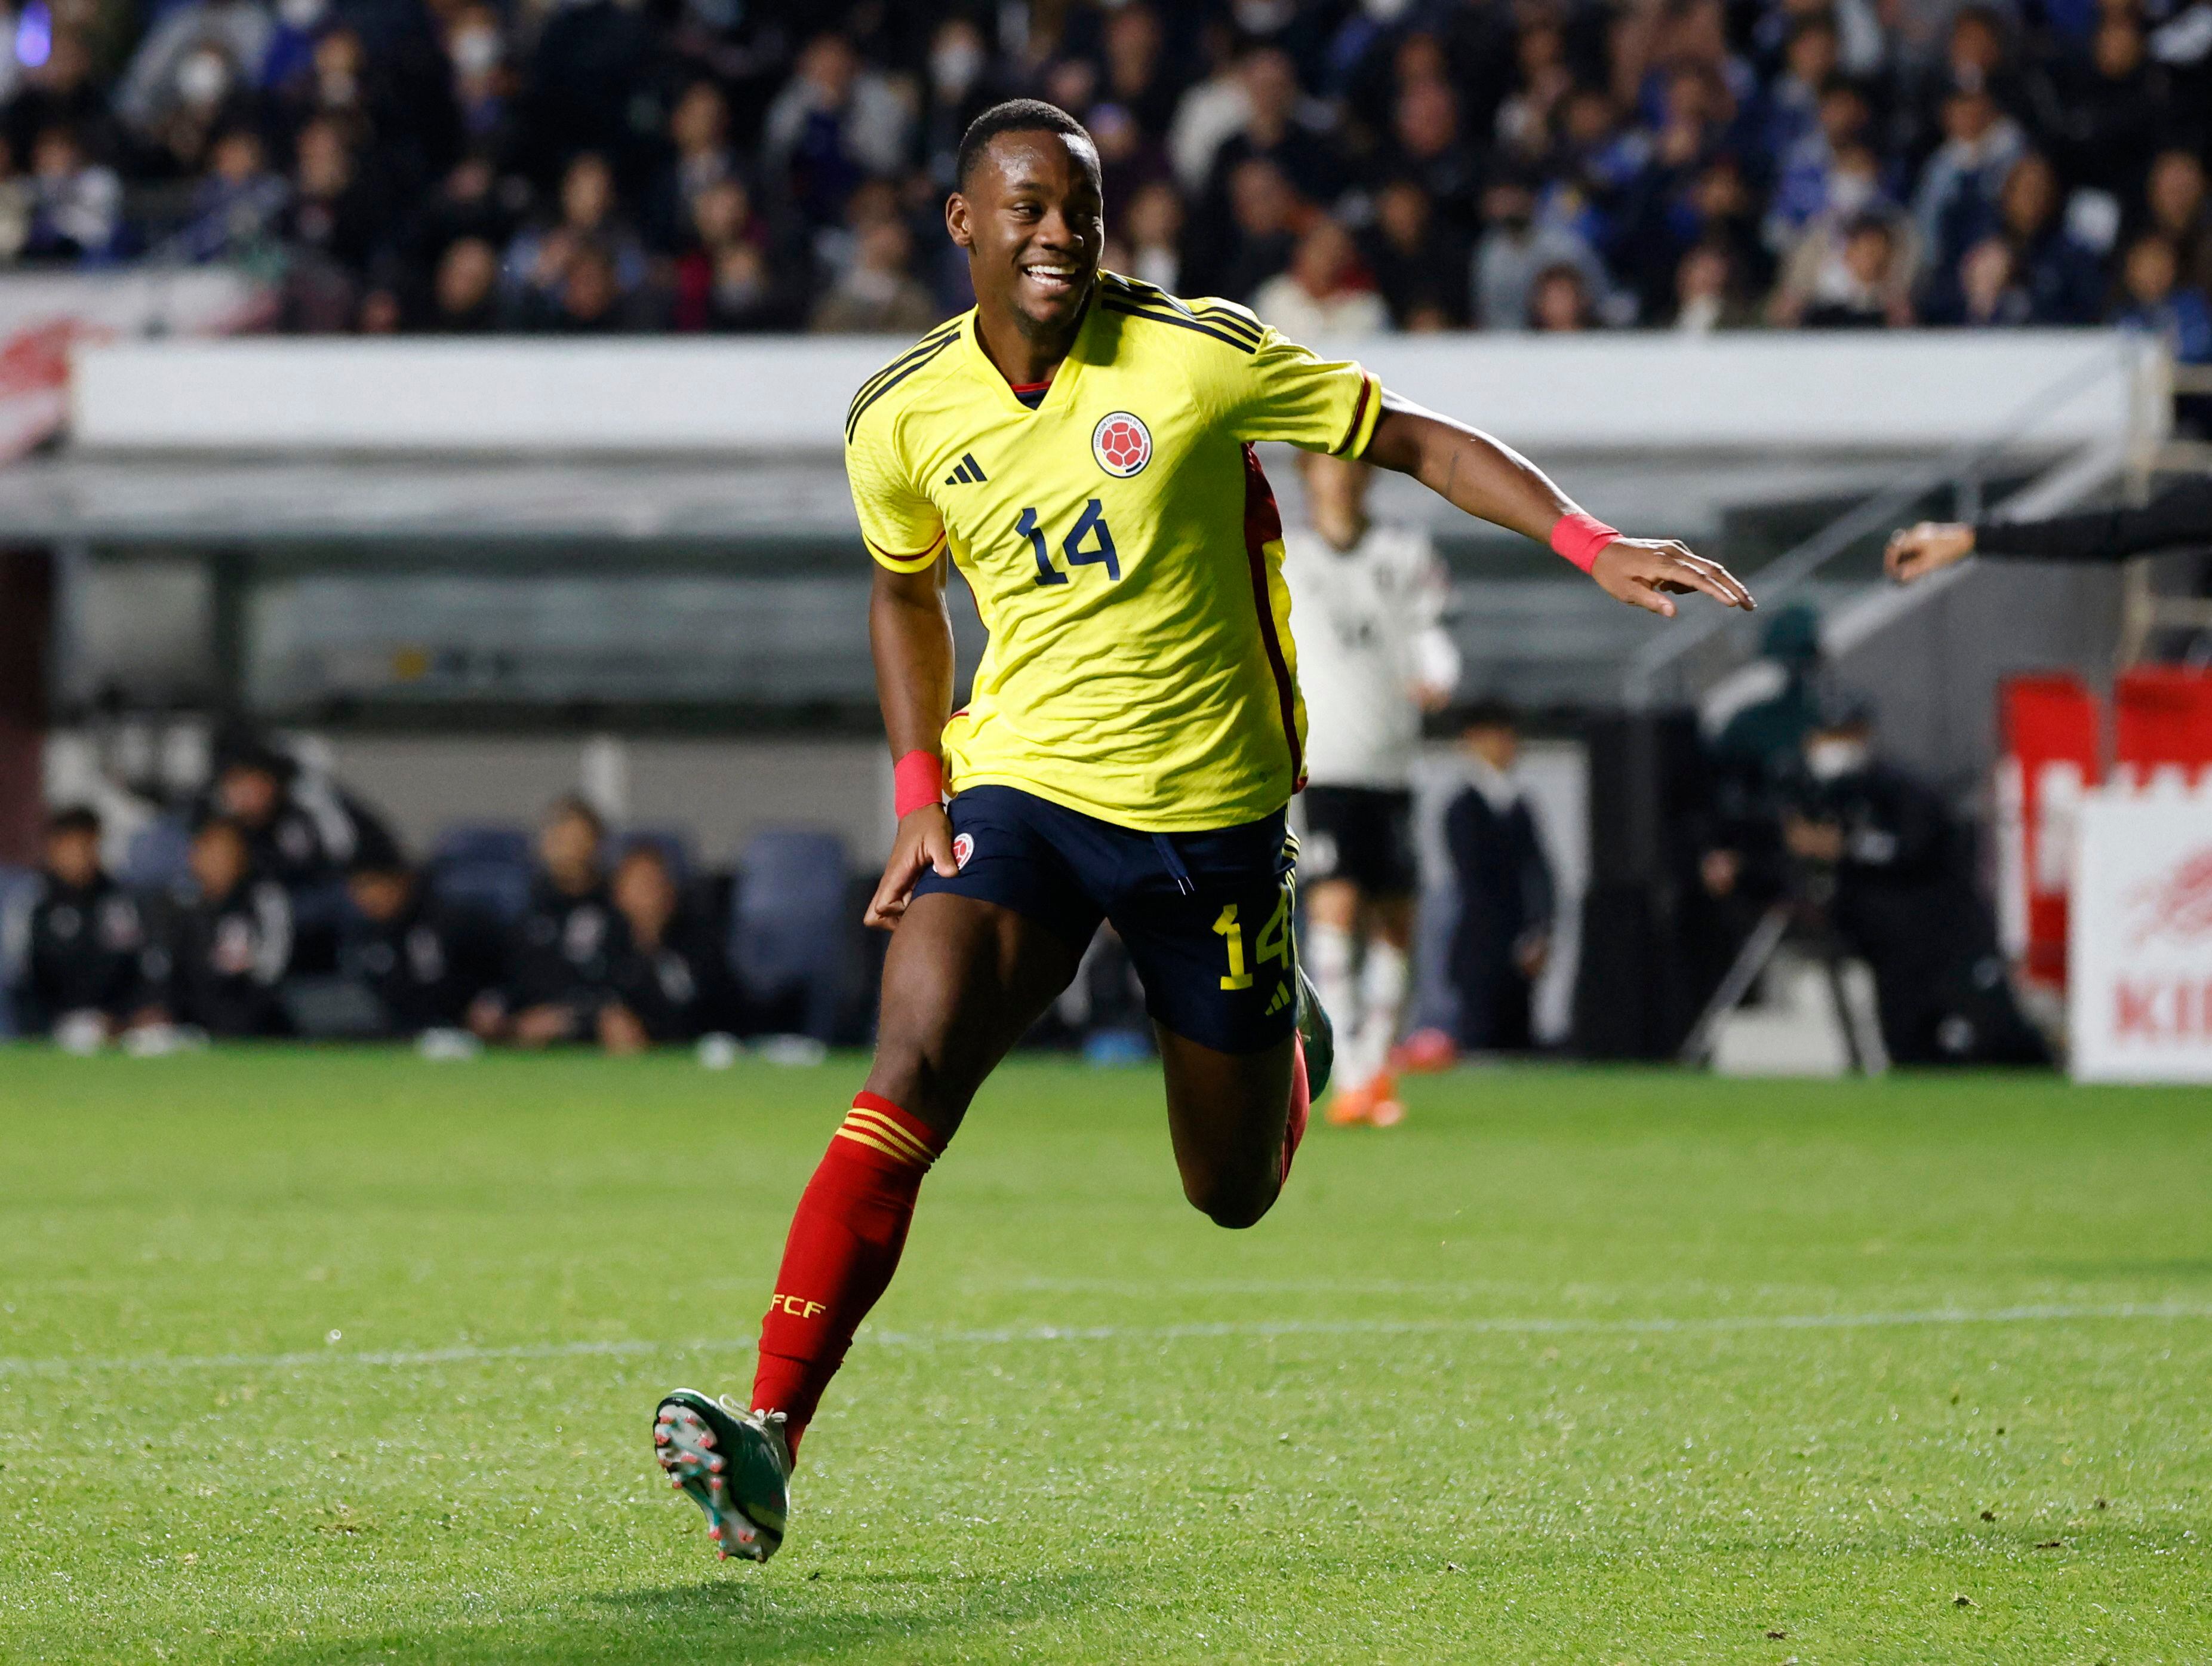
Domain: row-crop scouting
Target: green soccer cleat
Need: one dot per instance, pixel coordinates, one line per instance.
(1319, 1036)
(734, 1463)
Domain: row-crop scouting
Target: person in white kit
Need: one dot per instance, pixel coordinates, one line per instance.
(1373, 652)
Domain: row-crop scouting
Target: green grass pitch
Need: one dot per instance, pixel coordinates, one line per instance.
(350, 1357)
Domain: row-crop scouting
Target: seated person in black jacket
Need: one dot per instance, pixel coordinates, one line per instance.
(229, 939)
(422, 960)
(670, 978)
(301, 830)
(84, 941)
(553, 975)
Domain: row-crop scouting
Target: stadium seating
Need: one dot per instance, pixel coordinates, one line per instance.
(789, 926)
(159, 855)
(482, 867)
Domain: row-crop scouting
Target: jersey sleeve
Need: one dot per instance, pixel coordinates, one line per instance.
(1284, 390)
(902, 526)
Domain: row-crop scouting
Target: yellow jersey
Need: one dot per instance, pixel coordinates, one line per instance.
(1123, 547)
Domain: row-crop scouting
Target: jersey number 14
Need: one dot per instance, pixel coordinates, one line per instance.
(1092, 523)
(1274, 942)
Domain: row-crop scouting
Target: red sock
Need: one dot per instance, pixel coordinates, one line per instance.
(1301, 1103)
(844, 1245)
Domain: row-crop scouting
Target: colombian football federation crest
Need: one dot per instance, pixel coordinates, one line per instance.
(1122, 443)
(964, 846)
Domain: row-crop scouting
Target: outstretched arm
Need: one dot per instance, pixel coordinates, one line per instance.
(910, 634)
(2179, 516)
(1472, 472)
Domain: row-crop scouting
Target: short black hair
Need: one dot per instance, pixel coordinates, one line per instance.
(574, 806)
(1016, 116)
(1490, 711)
(75, 819)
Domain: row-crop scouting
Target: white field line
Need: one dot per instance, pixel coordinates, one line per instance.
(1233, 1329)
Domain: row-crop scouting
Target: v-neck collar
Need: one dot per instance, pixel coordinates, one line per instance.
(1061, 392)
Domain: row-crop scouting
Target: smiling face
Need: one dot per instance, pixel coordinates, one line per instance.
(1031, 217)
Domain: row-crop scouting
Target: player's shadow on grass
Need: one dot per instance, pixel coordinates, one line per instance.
(739, 1616)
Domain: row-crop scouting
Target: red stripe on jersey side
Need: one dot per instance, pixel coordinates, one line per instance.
(1358, 412)
(1263, 524)
(1027, 387)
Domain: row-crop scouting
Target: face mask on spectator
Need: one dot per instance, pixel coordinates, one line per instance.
(1388, 11)
(476, 52)
(1832, 760)
(203, 79)
(302, 14)
(338, 88)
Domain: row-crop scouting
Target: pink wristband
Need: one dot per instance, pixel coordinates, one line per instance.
(917, 779)
(1578, 537)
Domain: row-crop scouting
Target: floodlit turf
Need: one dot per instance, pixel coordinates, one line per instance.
(352, 1357)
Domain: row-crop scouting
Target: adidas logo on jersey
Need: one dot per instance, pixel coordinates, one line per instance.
(969, 473)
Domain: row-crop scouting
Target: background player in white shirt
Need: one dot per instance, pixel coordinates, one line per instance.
(1369, 601)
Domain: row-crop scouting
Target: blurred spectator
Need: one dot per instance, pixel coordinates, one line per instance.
(1710, 292)
(1265, 217)
(1428, 145)
(670, 982)
(2115, 109)
(76, 205)
(235, 208)
(960, 87)
(63, 92)
(1322, 294)
(334, 212)
(301, 828)
(421, 961)
(877, 294)
(229, 939)
(2050, 278)
(194, 58)
(2175, 196)
(1502, 936)
(2160, 304)
(725, 280)
(1830, 169)
(1955, 205)
(464, 294)
(835, 122)
(1515, 249)
(555, 967)
(1420, 265)
(588, 247)
(83, 941)
(1559, 301)
(1276, 130)
(699, 131)
(1153, 223)
(1858, 280)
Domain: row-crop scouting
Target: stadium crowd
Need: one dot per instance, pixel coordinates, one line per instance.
(719, 165)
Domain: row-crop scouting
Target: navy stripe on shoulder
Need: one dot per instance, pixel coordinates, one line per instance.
(1114, 304)
(1132, 292)
(885, 383)
(929, 344)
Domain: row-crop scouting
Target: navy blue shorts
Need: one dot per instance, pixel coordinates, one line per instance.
(1207, 916)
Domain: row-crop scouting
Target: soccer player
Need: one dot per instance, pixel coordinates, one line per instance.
(1080, 446)
(1369, 602)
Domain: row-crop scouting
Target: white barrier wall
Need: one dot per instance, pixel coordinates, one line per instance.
(1598, 392)
(2140, 979)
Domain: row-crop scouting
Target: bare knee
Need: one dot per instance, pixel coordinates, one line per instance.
(1229, 1204)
